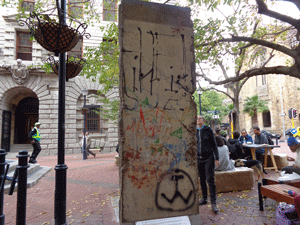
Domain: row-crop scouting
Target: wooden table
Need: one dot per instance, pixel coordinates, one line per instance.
(270, 181)
(268, 148)
(276, 192)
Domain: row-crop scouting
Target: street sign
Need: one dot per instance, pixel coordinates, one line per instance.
(225, 125)
(293, 131)
(282, 114)
(210, 111)
(215, 116)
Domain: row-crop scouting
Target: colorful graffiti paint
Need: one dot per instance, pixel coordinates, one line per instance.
(158, 170)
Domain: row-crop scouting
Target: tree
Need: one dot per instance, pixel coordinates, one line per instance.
(232, 35)
(211, 100)
(102, 66)
(233, 94)
(253, 105)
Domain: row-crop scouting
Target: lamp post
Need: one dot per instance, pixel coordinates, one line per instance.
(61, 167)
(84, 93)
(199, 93)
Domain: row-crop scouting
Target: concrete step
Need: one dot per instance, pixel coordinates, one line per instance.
(18, 147)
(34, 173)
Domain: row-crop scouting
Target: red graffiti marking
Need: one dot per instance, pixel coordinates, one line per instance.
(131, 127)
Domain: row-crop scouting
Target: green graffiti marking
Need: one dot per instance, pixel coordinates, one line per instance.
(145, 102)
(177, 133)
(157, 141)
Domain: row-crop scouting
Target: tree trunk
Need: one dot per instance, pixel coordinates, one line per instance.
(255, 120)
(236, 106)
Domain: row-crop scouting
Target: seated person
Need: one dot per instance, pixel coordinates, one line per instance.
(225, 162)
(235, 147)
(260, 138)
(246, 138)
(294, 147)
(218, 133)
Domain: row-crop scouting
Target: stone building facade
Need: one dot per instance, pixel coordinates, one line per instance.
(281, 93)
(28, 94)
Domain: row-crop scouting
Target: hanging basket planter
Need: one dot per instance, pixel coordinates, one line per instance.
(54, 36)
(73, 68)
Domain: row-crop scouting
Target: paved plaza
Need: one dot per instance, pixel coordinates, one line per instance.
(93, 193)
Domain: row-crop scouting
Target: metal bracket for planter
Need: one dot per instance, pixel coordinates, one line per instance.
(52, 35)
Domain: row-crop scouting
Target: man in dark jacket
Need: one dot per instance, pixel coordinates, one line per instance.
(235, 147)
(260, 138)
(245, 137)
(208, 158)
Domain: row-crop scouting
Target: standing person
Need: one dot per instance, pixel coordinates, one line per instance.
(260, 138)
(208, 158)
(35, 138)
(225, 162)
(294, 147)
(88, 142)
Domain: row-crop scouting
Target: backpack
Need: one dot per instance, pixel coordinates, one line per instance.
(231, 148)
(270, 141)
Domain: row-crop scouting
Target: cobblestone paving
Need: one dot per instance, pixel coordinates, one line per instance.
(94, 182)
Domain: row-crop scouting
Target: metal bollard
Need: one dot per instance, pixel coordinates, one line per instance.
(22, 187)
(3, 173)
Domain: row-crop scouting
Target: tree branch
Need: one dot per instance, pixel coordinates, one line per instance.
(268, 44)
(256, 41)
(223, 92)
(291, 71)
(263, 9)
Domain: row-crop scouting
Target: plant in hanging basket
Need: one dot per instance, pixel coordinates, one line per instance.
(84, 110)
(73, 66)
(54, 36)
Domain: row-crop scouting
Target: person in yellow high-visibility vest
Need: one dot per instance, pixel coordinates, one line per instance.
(35, 138)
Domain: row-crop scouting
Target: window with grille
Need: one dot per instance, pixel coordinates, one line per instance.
(24, 46)
(27, 5)
(267, 119)
(76, 8)
(77, 51)
(110, 10)
(93, 118)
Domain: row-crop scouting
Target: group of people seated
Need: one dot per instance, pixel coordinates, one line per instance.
(232, 149)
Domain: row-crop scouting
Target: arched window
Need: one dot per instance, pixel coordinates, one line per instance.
(267, 119)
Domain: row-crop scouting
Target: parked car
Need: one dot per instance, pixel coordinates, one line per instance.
(288, 133)
(271, 135)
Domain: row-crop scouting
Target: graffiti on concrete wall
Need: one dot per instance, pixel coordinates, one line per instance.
(158, 121)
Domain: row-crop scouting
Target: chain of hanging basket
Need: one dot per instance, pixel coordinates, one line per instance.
(52, 35)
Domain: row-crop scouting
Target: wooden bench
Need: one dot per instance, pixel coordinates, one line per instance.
(274, 190)
(95, 150)
(280, 159)
(239, 179)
